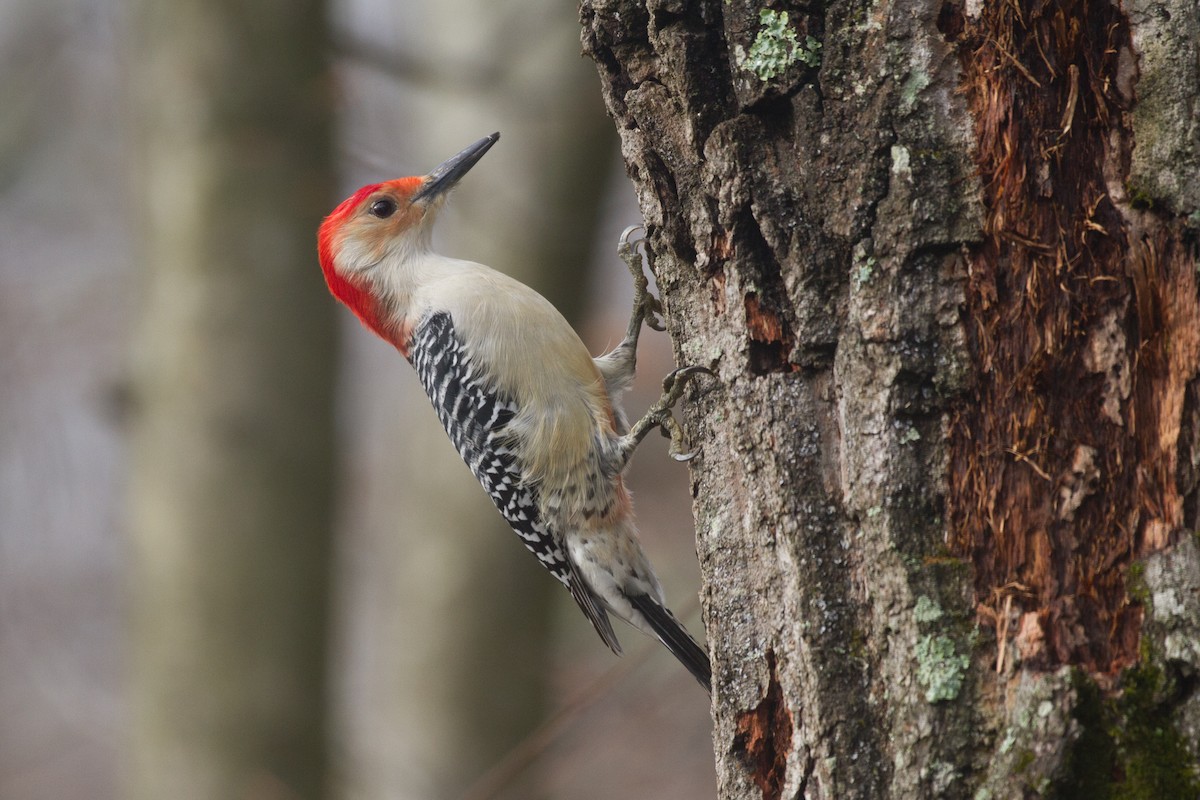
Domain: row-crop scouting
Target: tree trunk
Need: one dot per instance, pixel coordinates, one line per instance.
(230, 508)
(949, 466)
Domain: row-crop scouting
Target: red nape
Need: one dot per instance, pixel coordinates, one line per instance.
(356, 296)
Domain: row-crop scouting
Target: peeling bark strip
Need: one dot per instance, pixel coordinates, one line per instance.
(1083, 322)
(764, 737)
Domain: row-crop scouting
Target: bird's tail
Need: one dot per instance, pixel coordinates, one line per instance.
(592, 607)
(676, 638)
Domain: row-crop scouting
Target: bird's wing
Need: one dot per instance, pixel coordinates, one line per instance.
(476, 417)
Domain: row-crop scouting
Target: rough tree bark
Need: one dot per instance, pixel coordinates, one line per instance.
(942, 258)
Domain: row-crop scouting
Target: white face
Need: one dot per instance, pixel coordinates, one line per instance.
(378, 222)
(391, 220)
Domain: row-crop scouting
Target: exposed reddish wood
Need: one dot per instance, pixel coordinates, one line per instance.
(718, 292)
(1164, 279)
(764, 736)
(1084, 335)
(770, 340)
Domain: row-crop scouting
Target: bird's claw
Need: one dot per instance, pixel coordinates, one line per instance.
(659, 416)
(674, 385)
(624, 244)
(677, 379)
(647, 307)
(670, 429)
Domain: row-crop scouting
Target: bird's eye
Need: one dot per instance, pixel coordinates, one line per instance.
(383, 208)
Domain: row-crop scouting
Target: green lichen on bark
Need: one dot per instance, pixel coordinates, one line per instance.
(777, 47)
(927, 610)
(940, 668)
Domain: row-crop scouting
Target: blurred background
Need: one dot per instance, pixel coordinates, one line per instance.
(238, 559)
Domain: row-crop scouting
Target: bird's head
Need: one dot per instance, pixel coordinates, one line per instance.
(385, 220)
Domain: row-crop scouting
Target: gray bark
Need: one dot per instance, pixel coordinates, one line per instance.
(230, 506)
(837, 232)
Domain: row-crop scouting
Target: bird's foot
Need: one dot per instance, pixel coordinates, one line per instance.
(659, 416)
(645, 305)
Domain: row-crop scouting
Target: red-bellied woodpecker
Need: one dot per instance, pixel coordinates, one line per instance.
(535, 417)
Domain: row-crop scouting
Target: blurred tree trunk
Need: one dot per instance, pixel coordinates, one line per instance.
(447, 616)
(230, 511)
(949, 467)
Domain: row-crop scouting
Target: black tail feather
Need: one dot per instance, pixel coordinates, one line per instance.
(672, 634)
(592, 608)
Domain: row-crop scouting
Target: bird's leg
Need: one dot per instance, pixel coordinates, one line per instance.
(619, 366)
(659, 416)
(646, 306)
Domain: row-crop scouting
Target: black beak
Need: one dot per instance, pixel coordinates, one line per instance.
(448, 173)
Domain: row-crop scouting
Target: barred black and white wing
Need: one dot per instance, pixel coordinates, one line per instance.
(476, 417)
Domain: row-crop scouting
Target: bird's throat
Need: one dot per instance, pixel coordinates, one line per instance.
(374, 314)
